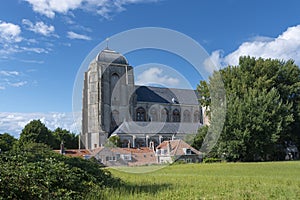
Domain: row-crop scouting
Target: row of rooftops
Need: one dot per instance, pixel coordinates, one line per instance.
(138, 156)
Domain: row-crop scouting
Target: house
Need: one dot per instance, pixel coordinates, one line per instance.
(177, 150)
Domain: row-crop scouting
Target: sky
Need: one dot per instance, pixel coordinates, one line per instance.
(44, 42)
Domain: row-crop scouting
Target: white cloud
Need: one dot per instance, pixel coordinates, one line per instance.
(155, 75)
(12, 79)
(73, 35)
(286, 46)
(34, 49)
(9, 73)
(18, 84)
(13, 123)
(50, 7)
(9, 33)
(101, 7)
(39, 27)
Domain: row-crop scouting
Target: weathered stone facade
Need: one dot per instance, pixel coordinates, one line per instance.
(110, 100)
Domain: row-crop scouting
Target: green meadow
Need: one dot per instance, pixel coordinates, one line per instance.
(265, 180)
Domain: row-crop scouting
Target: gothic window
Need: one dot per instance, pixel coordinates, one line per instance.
(164, 115)
(114, 79)
(186, 116)
(140, 114)
(196, 117)
(153, 114)
(176, 115)
(115, 91)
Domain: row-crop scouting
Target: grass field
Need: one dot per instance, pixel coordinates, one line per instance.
(269, 180)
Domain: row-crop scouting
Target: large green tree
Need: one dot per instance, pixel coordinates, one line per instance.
(36, 131)
(262, 98)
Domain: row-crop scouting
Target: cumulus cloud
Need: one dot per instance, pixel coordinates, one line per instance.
(73, 35)
(50, 7)
(286, 46)
(156, 75)
(39, 27)
(102, 7)
(13, 123)
(11, 40)
(9, 33)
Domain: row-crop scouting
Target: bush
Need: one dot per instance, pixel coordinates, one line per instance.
(33, 171)
(212, 160)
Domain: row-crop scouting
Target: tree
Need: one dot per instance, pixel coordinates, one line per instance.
(69, 139)
(199, 138)
(263, 98)
(113, 141)
(6, 142)
(36, 131)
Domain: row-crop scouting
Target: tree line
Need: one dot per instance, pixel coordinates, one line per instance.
(262, 109)
(36, 131)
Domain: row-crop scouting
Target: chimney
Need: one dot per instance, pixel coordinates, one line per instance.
(169, 148)
(62, 148)
(151, 145)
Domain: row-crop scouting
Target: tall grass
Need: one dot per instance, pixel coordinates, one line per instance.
(272, 180)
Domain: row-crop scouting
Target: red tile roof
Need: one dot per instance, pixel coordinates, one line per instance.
(177, 147)
(76, 152)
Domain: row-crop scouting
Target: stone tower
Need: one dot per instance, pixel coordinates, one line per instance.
(108, 86)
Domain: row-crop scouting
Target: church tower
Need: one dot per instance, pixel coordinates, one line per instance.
(108, 86)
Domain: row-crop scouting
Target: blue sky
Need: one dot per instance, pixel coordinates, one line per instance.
(44, 42)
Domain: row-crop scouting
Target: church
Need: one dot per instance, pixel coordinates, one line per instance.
(112, 105)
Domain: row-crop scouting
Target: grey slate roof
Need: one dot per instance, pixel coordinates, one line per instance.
(134, 127)
(165, 95)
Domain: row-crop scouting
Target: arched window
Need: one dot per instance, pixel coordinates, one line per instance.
(115, 89)
(153, 114)
(176, 115)
(164, 115)
(186, 116)
(114, 79)
(140, 114)
(196, 117)
(115, 117)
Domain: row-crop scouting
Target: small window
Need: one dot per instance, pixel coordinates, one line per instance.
(140, 114)
(158, 151)
(187, 151)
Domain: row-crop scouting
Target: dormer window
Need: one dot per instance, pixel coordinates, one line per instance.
(187, 151)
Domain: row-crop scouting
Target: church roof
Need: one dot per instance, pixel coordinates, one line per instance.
(110, 56)
(134, 127)
(166, 95)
